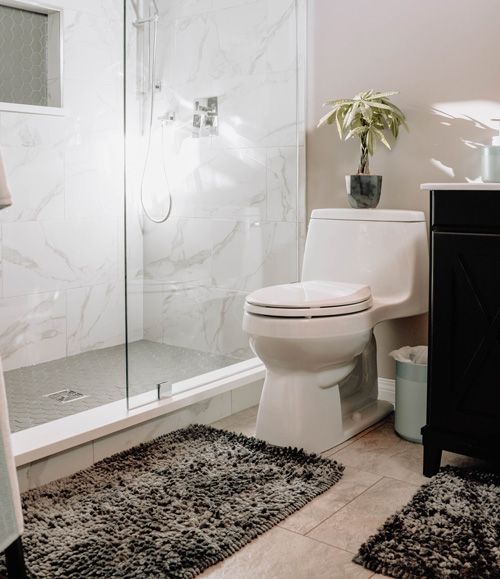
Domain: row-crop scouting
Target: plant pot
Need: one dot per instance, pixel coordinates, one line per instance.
(363, 191)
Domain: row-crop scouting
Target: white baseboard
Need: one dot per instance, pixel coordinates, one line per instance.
(387, 390)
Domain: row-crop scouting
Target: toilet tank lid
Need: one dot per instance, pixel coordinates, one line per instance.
(399, 215)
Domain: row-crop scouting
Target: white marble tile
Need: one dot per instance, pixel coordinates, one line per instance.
(177, 250)
(36, 180)
(94, 183)
(197, 316)
(281, 38)
(183, 315)
(217, 183)
(23, 478)
(154, 296)
(60, 465)
(246, 397)
(222, 324)
(202, 413)
(32, 131)
(94, 108)
(258, 110)
(95, 317)
(135, 246)
(229, 43)
(1, 262)
(250, 255)
(302, 184)
(33, 329)
(92, 43)
(185, 8)
(111, 9)
(222, 4)
(282, 182)
(136, 304)
(56, 255)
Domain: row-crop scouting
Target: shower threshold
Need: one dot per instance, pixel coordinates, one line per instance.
(44, 440)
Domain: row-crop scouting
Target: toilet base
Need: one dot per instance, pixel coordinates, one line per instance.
(316, 429)
(319, 410)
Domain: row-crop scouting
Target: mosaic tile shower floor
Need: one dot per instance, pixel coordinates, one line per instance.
(99, 375)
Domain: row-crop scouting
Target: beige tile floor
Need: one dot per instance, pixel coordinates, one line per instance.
(382, 473)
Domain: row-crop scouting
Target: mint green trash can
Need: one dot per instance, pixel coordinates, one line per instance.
(411, 400)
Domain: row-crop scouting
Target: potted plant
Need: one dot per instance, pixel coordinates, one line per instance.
(368, 116)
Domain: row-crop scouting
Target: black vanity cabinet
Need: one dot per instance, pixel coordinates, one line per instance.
(463, 403)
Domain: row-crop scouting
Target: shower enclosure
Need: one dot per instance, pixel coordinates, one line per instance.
(163, 187)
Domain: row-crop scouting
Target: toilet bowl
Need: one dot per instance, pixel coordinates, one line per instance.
(315, 337)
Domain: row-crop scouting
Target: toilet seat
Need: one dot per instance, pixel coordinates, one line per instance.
(309, 299)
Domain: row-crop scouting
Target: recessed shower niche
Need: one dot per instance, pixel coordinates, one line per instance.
(30, 54)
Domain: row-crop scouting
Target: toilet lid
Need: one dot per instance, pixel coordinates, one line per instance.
(309, 299)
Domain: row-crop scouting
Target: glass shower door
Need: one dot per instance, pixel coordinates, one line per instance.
(214, 203)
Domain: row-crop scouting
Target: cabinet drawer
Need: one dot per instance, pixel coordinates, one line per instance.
(466, 210)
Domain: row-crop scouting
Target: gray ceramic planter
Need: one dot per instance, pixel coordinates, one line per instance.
(363, 191)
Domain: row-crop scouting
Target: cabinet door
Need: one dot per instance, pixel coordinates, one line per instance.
(464, 386)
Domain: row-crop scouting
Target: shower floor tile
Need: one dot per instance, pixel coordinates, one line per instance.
(99, 376)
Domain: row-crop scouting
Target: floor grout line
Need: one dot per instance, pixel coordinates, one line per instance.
(317, 540)
(348, 503)
(355, 439)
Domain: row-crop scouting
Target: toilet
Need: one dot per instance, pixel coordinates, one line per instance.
(315, 338)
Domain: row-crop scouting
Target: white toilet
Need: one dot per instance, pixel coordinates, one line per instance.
(315, 338)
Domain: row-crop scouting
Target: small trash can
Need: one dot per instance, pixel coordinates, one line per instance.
(411, 391)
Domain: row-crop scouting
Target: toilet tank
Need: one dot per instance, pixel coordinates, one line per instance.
(385, 249)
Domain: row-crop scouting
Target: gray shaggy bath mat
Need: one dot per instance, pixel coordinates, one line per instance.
(169, 508)
(450, 528)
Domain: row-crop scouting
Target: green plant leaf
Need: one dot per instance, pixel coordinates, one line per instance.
(381, 95)
(381, 137)
(324, 118)
(339, 117)
(358, 131)
(369, 116)
(367, 112)
(369, 142)
(381, 105)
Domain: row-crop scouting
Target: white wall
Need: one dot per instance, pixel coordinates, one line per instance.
(442, 55)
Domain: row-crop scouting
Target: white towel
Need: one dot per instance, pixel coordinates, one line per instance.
(11, 515)
(5, 195)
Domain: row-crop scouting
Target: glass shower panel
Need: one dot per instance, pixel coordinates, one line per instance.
(62, 323)
(213, 200)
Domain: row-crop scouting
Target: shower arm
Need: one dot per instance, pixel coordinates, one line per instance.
(154, 18)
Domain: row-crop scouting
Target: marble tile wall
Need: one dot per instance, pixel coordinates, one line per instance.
(61, 289)
(237, 201)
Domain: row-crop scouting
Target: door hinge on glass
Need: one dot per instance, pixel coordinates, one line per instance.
(165, 389)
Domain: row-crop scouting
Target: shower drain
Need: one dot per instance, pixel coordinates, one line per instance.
(65, 396)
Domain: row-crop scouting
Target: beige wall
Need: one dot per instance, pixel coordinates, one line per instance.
(443, 57)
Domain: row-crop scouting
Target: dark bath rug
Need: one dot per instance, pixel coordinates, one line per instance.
(450, 528)
(168, 508)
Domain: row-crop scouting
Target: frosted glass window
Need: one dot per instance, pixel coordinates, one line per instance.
(23, 56)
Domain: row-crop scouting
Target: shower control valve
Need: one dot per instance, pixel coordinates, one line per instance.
(206, 117)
